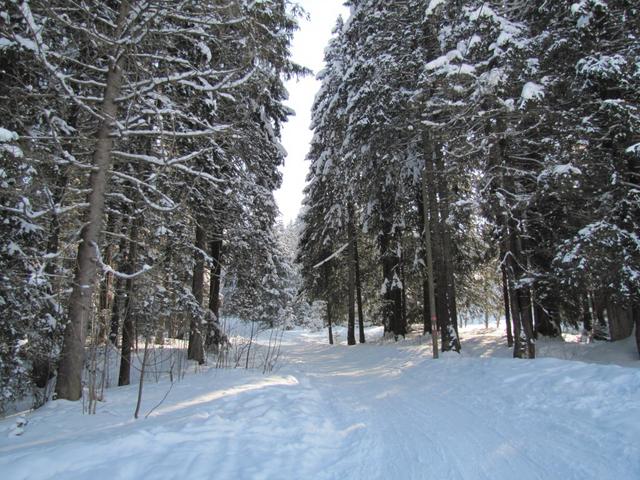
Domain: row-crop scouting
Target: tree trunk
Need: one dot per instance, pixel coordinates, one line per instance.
(128, 327)
(118, 295)
(635, 307)
(105, 289)
(213, 330)
(505, 295)
(437, 248)
(69, 383)
(601, 329)
(447, 262)
(358, 289)
(620, 321)
(423, 219)
(351, 337)
(195, 351)
(427, 175)
(403, 299)
(523, 296)
(329, 322)
(391, 299)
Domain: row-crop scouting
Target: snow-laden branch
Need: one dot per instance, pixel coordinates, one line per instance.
(332, 256)
(172, 134)
(109, 269)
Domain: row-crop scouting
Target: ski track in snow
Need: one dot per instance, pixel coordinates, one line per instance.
(374, 411)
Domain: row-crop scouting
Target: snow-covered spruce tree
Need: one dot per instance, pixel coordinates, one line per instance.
(598, 252)
(132, 86)
(320, 218)
(372, 146)
(39, 196)
(257, 269)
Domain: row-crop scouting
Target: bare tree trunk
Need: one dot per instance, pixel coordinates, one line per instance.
(403, 300)
(620, 321)
(524, 299)
(142, 372)
(105, 290)
(427, 175)
(391, 298)
(358, 289)
(195, 349)
(329, 322)
(636, 320)
(351, 337)
(128, 327)
(213, 331)
(507, 309)
(449, 286)
(69, 384)
(118, 296)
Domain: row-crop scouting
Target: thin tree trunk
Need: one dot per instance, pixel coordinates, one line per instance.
(105, 289)
(358, 290)
(423, 217)
(524, 300)
(403, 302)
(426, 176)
(128, 327)
(213, 330)
(507, 309)
(636, 320)
(195, 349)
(142, 372)
(69, 383)
(351, 337)
(118, 295)
(447, 257)
(439, 274)
(329, 322)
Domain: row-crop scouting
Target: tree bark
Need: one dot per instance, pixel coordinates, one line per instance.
(447, 263)
(620, 321)
(636, 320)
(118, 296)
(391, 299)
(427, 174)
(195, 350)
(128, 327)
(213, 330)
(105, 290)
(505, 295)
(351, 337)
(69, 383)
(358, 290)
(329, 321)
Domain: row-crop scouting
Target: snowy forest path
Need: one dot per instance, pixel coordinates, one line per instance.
(372, 411)
(467, 418)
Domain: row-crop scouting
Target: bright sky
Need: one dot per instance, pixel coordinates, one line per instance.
(308, 50)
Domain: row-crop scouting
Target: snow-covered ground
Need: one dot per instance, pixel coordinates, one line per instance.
(382, 410)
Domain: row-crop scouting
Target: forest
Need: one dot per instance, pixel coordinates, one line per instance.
(473, 163)
(140, 150)
(469, 159)
(510, 131)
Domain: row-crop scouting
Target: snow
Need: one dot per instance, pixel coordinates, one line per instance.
(378, 410)
(634, 149)
(7, 135)
(433, 4)
(531, 91)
